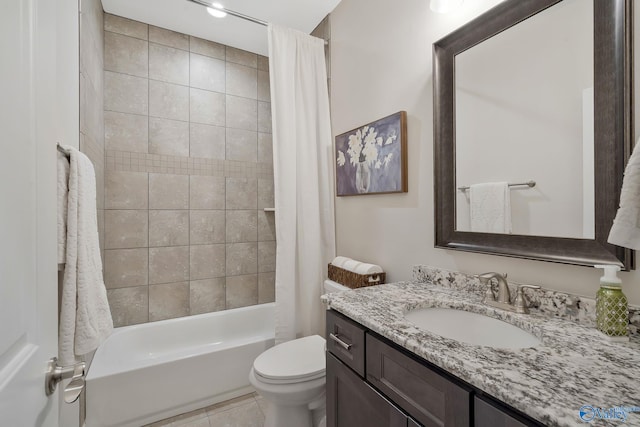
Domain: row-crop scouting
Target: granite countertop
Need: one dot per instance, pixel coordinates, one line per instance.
(574, 366)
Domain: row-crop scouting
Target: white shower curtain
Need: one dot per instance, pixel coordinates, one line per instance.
(303, 178)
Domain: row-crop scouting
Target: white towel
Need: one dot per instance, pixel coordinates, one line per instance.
(626, 226)
(340, 260)
(63, 189)
(490, 207)
(85, 318)
(364, 268)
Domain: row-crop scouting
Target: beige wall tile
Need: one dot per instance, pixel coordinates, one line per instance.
(207, 261)
(207, 192)
(266, 226)
(125, 93)
(206, 47)
(168, 38)
(242, 291)
(242, 57)
(129, 306)
(264, 92)
(266, 257)
(128, 27)
(264, 117)
(242, 226)
(206, 141)
(126, 229)
(168, 191)
(126, 267)
(207, 107)
(266, 287)
(168, 228)
(207, 73)
(207, 227)
(168, 301)
(265, 147)
(168, 101)
(126, 190)
(242, 81)
(241, 145)
(169, 137)
(242, 193)
(125, 54)
(126, 132)
(91, 110)
(242, 258)
(168, 64)
(207, 295)
(168, 265)
(265, 194)
(242, 113)
(263, 63)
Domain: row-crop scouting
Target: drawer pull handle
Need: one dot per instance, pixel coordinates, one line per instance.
(341, 343)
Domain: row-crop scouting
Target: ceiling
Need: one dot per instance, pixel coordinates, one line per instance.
(189, 18)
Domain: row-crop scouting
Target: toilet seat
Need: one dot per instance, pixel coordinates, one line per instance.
(291, 362)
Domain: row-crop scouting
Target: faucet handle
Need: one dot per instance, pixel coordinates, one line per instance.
(519, 303)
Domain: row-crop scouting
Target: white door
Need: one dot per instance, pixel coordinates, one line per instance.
(28, 278)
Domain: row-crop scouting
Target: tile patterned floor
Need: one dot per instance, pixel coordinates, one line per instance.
(243, 411)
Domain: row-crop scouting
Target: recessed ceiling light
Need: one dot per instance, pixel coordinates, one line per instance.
(217, 10)
(444, 6)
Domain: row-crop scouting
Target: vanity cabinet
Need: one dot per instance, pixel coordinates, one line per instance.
(372, 382)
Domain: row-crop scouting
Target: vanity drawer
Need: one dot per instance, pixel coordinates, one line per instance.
(427, 396)
(345, 339)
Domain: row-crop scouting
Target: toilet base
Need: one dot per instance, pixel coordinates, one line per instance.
(278, 416)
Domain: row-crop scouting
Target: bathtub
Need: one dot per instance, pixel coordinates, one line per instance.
(149, 372)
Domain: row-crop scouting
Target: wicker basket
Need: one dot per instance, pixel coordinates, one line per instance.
(354, 280)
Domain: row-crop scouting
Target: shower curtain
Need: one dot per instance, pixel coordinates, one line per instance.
(303, 179)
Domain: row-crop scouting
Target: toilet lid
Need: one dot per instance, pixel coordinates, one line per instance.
(298, 359)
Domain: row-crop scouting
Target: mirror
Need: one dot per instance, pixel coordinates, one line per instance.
(534, 95)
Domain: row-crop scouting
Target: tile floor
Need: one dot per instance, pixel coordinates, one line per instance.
(243, 411)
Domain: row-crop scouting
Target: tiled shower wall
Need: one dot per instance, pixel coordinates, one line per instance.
(188, 174)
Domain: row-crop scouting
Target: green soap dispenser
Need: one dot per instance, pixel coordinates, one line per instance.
(612, 309)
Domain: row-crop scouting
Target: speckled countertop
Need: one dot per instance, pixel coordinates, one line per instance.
(573, 367)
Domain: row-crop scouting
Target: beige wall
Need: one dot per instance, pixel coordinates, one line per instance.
(381, 63)
(188, 172)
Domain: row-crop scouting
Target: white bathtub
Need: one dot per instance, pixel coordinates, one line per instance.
(145, 373)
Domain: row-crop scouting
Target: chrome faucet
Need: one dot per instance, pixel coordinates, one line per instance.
(503, 301)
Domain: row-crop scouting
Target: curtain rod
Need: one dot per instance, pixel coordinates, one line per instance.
(236, 14)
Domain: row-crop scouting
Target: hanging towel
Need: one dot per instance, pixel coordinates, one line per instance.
(626, 226)
(490, 207)
(63, 189)
(85, 318)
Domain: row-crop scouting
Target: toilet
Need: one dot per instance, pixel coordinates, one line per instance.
(291, 379)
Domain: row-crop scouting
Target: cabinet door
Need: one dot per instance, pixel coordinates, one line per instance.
(488, 415)
(345, 339)
(353, 403)
(427, 396)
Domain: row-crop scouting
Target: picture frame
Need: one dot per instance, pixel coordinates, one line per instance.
(372, 159)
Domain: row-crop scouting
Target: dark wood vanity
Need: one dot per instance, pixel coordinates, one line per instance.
(373, 382)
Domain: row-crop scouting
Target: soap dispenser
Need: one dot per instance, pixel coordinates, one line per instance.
(612, 310)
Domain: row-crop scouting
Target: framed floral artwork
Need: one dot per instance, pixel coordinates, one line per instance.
(372, 159)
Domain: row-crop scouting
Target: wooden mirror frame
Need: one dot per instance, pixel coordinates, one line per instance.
(613, 135)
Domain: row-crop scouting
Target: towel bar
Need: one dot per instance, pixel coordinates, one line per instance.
(529, 184)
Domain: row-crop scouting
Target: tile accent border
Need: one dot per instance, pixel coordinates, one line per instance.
(126, 161)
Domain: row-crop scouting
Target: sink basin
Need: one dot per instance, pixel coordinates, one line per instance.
(471, 328)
